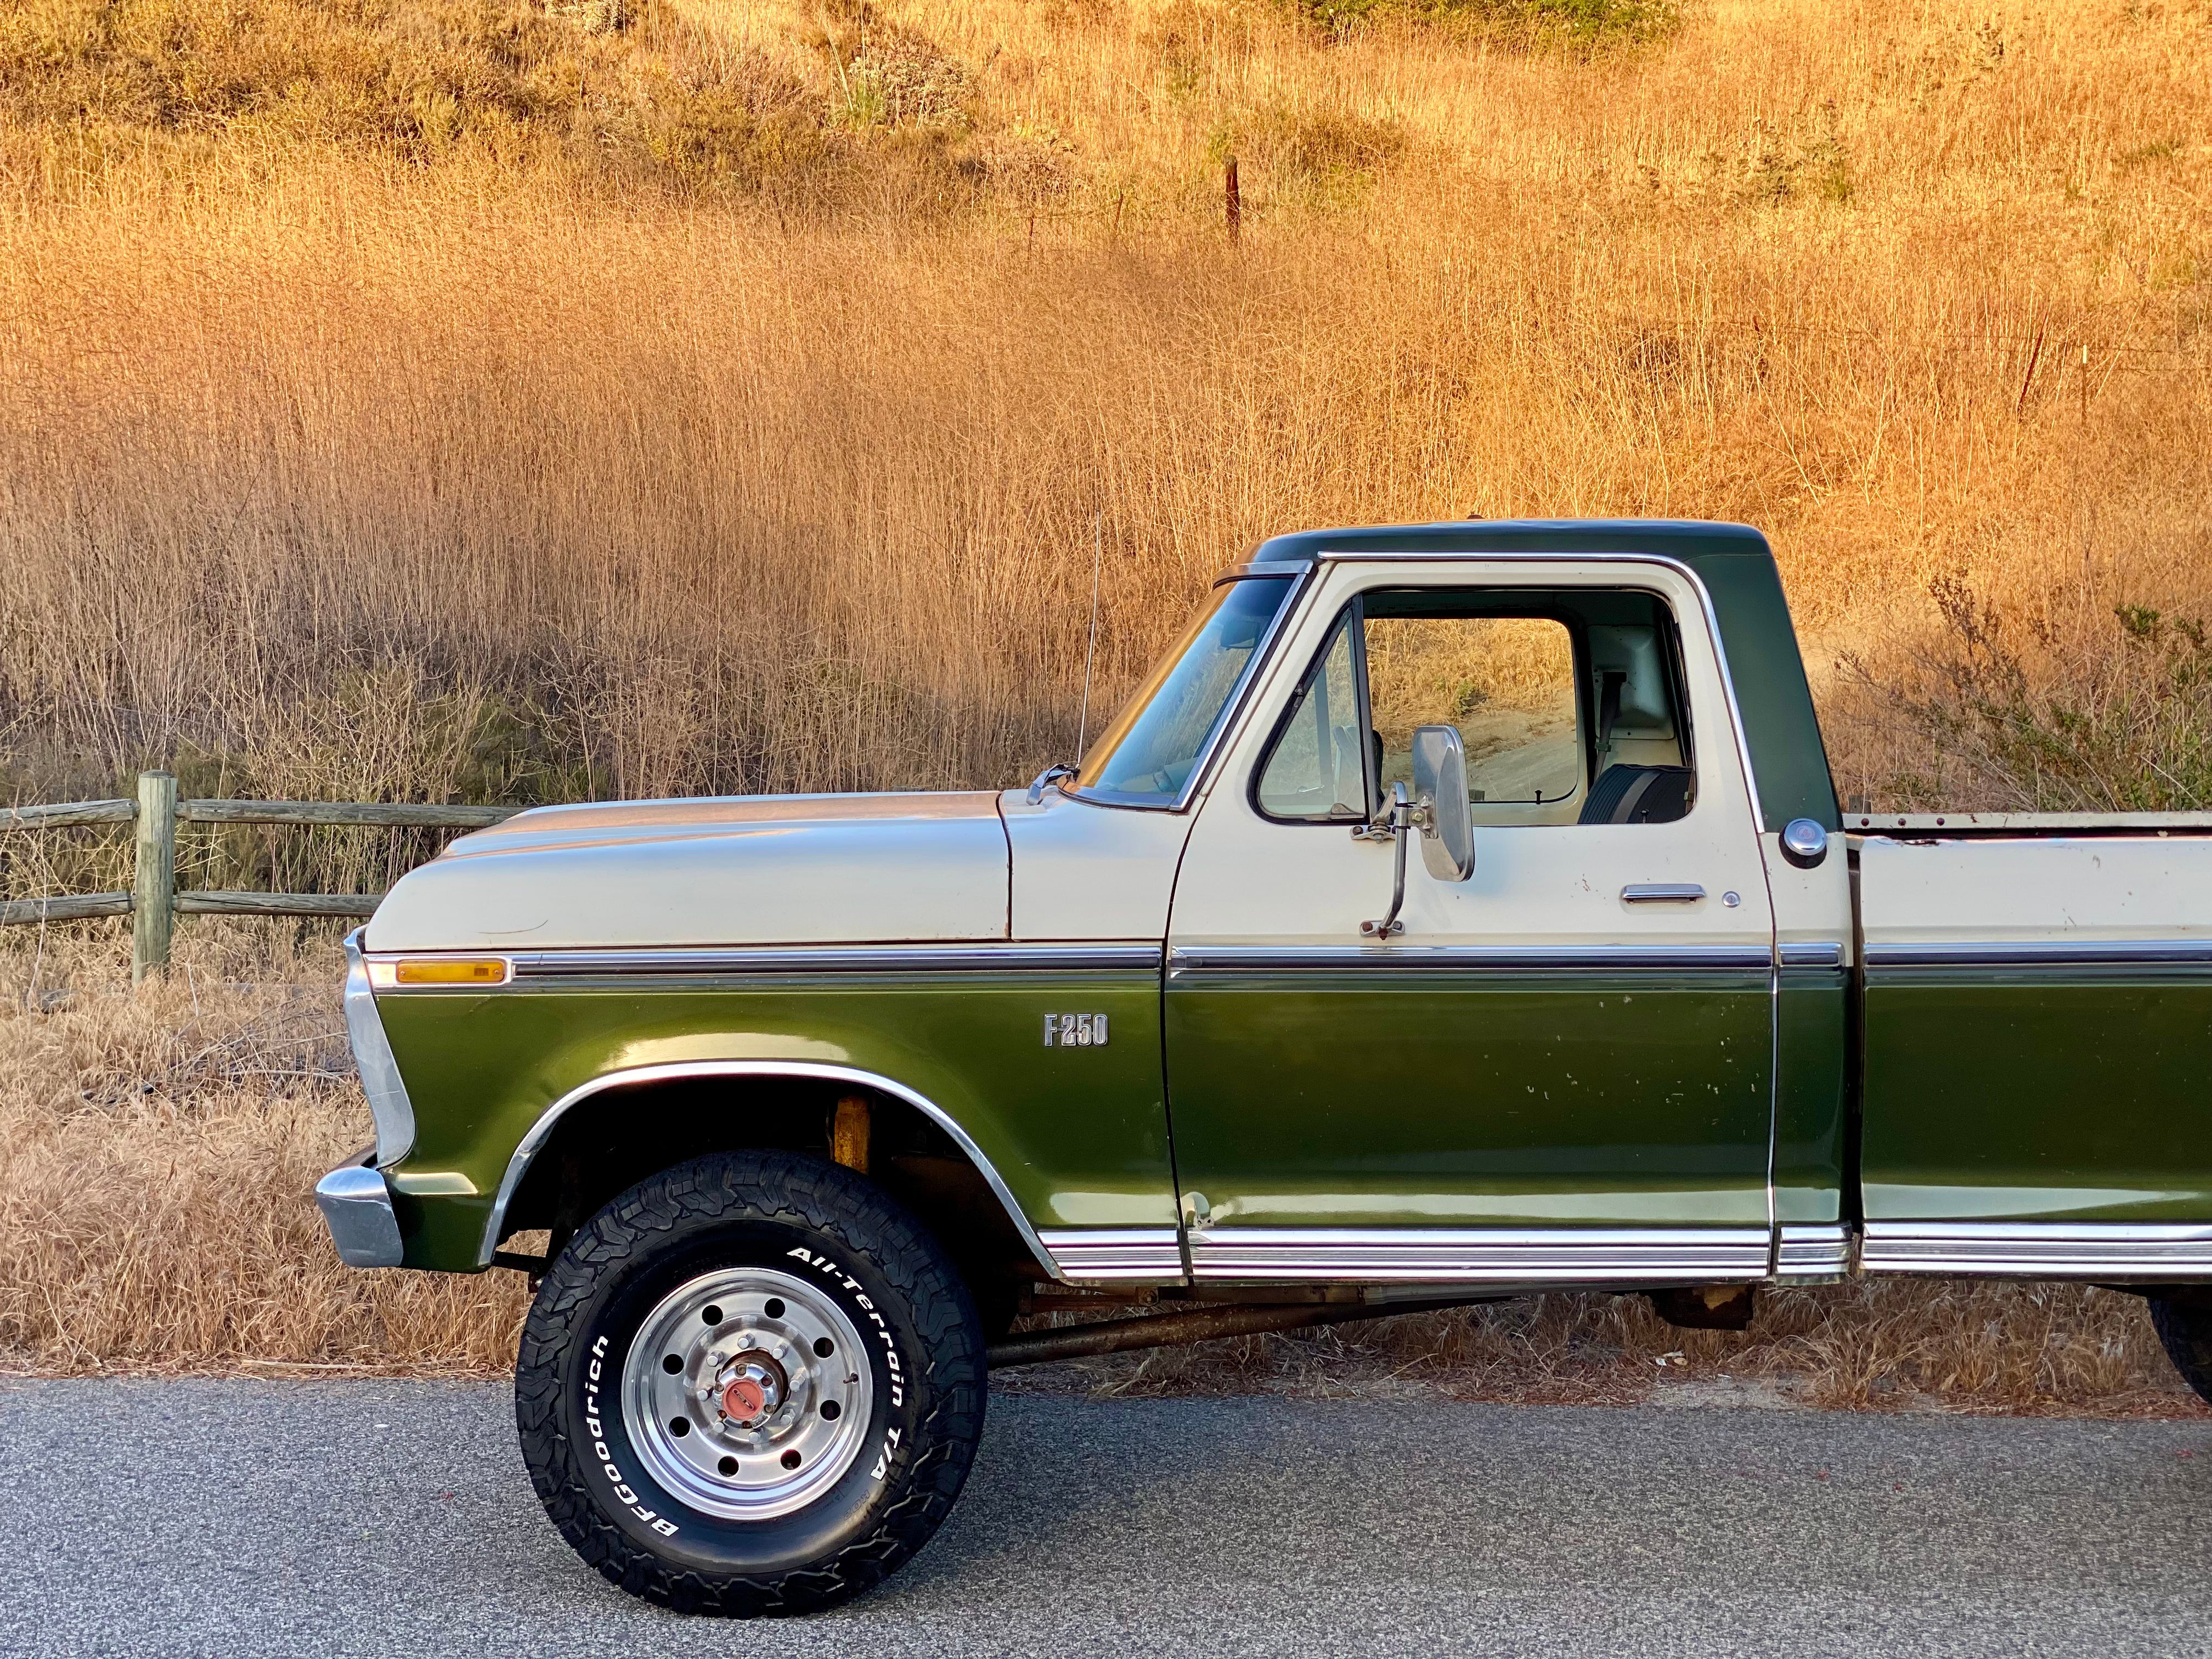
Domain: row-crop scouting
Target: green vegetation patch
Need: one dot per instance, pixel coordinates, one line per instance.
(2126, 726)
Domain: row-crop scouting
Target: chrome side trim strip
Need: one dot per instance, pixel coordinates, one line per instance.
(2037, 1250)
(1417, 959)
(2041, 953)
(1827, 954)
(836, 959)
(1595, 555)
(380, 1081)
(1804, 1252)
(1482, 1254)
(541, 1130)
(1117, 1255)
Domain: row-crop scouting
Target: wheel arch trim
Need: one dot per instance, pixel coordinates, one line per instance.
(541, 1131)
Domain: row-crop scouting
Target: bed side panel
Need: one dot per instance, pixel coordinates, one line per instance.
(2038, 1031)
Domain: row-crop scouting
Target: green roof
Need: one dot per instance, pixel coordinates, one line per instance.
(1733, 561)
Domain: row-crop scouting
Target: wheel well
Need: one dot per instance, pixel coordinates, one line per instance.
(609, 1142)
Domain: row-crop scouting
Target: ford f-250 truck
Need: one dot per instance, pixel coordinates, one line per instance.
(1458, 910)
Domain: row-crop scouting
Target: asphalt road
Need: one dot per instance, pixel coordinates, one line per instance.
(382, 1518)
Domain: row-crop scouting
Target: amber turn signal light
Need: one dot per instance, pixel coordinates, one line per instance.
(451, 970)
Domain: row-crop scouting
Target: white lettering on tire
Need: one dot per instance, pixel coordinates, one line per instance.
(831, 1270)
(665, 1528)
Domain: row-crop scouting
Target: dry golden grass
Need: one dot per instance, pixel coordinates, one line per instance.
(157, 1206)
(424, 399)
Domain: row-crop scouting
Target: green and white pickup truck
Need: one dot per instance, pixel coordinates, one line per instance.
(1458, 910)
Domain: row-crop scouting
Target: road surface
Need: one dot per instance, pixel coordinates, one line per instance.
(382, 1518)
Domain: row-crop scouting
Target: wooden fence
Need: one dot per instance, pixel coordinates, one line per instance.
(154, 902)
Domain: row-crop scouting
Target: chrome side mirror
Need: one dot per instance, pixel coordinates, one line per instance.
(1440, 803)
(1438, 808)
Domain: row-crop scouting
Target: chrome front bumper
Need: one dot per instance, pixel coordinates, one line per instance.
(357, 1207)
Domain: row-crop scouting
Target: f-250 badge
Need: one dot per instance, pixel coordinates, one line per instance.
(1075, 1030)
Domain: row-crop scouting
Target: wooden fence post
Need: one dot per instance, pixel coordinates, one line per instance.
(1232, 200)
(154, 884)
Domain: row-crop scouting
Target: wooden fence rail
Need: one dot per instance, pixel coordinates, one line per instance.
(154, 902)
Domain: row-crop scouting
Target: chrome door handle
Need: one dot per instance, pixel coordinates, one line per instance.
(1661, 892)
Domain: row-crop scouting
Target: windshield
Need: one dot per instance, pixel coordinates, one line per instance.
(1146, 756)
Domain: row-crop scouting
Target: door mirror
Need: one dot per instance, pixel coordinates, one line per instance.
(1440, 803)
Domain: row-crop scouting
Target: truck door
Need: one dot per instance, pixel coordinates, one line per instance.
(1562, 1068)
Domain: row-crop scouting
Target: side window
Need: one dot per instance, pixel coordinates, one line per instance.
(1317, 770)
(1506, 683)
(1568, 703)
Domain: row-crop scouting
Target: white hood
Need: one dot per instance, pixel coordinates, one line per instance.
(739, 869)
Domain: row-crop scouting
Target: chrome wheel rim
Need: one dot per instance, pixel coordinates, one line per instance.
(747, 1393)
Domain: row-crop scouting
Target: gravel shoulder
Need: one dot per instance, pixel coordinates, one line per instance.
(212, 1517)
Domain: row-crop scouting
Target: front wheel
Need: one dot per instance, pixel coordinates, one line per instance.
(752, 1384)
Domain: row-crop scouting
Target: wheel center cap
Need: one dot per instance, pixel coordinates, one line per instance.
(752, 1389)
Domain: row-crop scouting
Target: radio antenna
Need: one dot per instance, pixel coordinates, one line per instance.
(1090, 651)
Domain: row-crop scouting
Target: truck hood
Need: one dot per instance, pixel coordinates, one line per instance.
(736, 870)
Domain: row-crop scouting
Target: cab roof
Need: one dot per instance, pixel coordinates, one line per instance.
(1690, 540)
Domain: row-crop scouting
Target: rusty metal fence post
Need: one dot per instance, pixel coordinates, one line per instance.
(154, 880)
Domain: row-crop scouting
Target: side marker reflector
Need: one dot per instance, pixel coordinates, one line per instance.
(451, 970)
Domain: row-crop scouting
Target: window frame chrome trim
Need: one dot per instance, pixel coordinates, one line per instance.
(388, 1102)
(1499, 1255)
(1230, 720)
(1247, 570)
(2040, 953)
(518, 1165)
(1350, 622)
(1184, 960)
(2152, 1251)
(1595, 555)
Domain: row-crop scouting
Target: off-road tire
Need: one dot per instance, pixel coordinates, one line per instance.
(796, 1214)
(2186, 1332)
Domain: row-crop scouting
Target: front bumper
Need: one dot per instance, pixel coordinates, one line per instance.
(357, 1207)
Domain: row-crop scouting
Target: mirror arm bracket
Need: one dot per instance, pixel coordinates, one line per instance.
(1397, 824)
